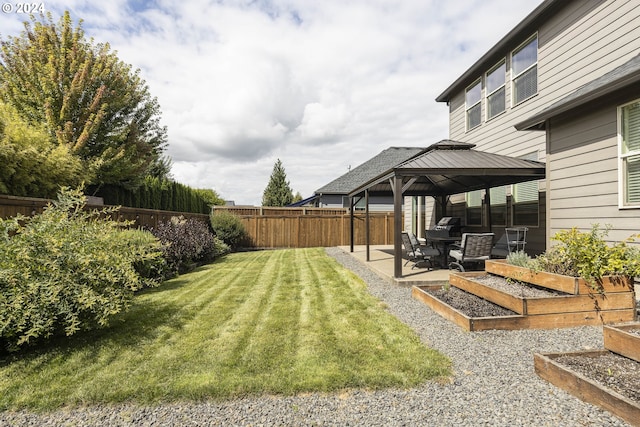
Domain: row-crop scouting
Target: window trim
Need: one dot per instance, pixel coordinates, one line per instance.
(500, 63)
(469, 107)
(621, 160)
(514, 76)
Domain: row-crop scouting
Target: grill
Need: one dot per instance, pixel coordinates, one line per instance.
(448, 227)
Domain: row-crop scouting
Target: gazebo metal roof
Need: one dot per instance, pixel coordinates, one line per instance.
(446, 168)
(452, 167)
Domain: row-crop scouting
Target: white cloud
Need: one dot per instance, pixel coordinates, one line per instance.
(319, 84)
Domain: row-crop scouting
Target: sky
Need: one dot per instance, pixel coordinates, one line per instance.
(322, 85)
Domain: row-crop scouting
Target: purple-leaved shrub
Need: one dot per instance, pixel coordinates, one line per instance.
(187, 242)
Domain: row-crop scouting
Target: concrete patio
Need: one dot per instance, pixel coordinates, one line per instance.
(381, 262)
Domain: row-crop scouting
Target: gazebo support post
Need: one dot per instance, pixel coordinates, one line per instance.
(487, 198)
(397, 226)
(351, 223)
(366, 223)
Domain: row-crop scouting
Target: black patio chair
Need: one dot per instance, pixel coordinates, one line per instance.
(475, 248)
(416, 252)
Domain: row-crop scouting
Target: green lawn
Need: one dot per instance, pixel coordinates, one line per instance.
(283, 322)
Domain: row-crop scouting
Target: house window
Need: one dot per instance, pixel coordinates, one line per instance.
(630, 154)
(495, 90)
(474, 207)
(473, 96)
(524, 69)
(498, 196)
(525, 202)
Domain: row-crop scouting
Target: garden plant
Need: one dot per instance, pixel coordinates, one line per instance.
(68, 270)
(586, 255)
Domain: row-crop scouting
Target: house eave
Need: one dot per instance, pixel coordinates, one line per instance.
(538, 121)
(524, 29)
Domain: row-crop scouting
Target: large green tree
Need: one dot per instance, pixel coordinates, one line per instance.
(88, 100)
(278, 191)
(29, 164)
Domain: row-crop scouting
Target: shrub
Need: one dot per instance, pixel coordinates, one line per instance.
(589, 256)
(67, 270)
(228, 228)
(187, 242)
(519, 258)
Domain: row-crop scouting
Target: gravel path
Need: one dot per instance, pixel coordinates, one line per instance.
(494, 385)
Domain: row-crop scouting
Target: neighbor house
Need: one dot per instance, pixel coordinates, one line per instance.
(335, 194)
(562, 87)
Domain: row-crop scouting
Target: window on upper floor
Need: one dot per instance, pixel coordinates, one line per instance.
(473, 95)
(495, 88)
(629, 137)
(524, 71)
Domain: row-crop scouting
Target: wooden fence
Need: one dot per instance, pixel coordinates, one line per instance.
(10, 206)
(310, 227)
(267, 227)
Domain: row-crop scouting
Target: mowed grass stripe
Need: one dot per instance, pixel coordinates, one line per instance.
(282, 321)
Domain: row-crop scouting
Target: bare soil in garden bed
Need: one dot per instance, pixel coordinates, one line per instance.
(616, 372)
(515, 288)
(469, 304)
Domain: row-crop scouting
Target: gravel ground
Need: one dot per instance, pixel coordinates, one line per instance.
(516, 288)
(494, 384)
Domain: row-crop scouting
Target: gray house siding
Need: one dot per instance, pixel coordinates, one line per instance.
(578, 42)
(583, 173)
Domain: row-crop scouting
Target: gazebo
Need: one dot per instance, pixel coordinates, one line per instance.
(445, 168)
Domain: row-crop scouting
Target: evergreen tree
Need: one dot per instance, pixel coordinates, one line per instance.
(278, 191)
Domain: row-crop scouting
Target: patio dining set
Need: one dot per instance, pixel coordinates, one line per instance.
(445, 246)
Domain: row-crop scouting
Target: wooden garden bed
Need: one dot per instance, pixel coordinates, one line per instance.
(558, 282)
(591, 305)
(421, 293)
(619, 339)
(620, 361)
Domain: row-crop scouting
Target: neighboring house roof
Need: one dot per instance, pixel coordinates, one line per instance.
(303, 202)
(359, 175)
(524, 29)
(453, 167)
(616, 79)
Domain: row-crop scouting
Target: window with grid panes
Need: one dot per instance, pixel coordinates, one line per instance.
(524, 71)
(495, 88)
(473, 95)
(630, 154)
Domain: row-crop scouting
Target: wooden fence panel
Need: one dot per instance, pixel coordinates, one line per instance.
(306, 231)
(266, 227)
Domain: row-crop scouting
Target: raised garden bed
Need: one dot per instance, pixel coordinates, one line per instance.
(558, 282)
(599, 377)
(623, 339)
(532, 300)
(608, 378)
(468, 319)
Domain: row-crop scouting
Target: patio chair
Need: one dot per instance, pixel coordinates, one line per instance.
(474, 248)
(416, 252)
